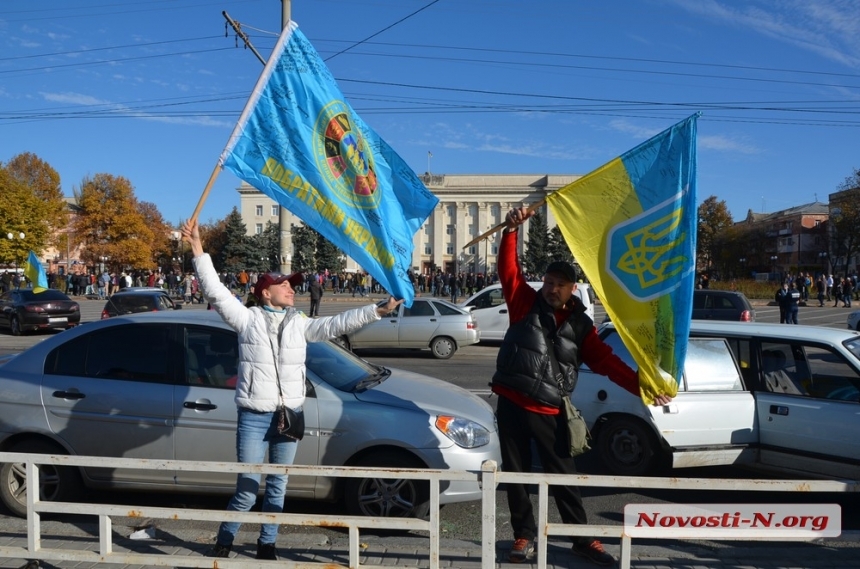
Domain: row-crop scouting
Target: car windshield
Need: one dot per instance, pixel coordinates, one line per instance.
(341, 369)
(49, 294)
(853, 346)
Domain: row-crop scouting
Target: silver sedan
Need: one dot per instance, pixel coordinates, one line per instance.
(429, 323)
(162, 385)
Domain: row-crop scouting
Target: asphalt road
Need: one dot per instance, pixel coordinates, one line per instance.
(472, 368)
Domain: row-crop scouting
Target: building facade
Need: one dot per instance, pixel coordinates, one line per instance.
(469, 205)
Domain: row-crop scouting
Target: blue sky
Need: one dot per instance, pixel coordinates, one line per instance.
(151, 89)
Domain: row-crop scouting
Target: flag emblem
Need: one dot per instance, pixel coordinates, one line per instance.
(646, 253)
(344, 158)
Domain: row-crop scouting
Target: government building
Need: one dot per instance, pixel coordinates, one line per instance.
(469, 205)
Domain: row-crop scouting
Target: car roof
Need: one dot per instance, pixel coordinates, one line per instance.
(754, 329)
(139, 289)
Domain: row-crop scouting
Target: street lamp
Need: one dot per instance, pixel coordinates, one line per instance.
(180, 257)
(822, 258)
(11, 236)
(103, 259)
(743, 262)
(773, 259)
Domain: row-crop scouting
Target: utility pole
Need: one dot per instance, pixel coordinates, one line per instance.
(286, 238)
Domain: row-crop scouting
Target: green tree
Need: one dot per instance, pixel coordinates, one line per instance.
(536, 254)
(44, 182)
(110, 223)
(329, 256)
(557, 248)
(238, 248)
(713, 220)
(304, 248)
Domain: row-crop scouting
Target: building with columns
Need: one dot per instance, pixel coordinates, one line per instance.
(469, 205)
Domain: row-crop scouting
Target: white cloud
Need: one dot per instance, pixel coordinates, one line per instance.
(726, 144)
(830, 28)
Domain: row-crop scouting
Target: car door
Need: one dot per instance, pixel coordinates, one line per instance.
(418, 324)
(491, 313)
(6, 308)
(110, 393)
(380, 334)
(712, 408)
(205, 410)
(811, 423)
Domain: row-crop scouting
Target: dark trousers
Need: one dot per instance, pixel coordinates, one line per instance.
(517, 429)
(315, 307)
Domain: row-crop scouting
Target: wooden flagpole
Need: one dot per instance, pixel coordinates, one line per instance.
(489, 232)
(206, 191)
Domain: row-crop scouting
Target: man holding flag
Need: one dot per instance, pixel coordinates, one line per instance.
(549, 331)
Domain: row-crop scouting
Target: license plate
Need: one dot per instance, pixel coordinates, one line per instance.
(57, 320)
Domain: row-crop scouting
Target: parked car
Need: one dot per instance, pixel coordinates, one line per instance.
(722, 305)
(162, 384)
(429, 323)
(854, 320)
(138, 299)
(490, 310)
(765, 395)
(22, 310)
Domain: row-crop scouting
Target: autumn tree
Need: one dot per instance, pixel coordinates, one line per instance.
(536, 257)
(845, 218)
(713, 220)
(21, 211)
(162, 245)
(329, 256)
(111, 223)
(44, 182)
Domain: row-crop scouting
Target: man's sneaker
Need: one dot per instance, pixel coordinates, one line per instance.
(266, 551)
(521, 550)
(220, 551)
(595, 553)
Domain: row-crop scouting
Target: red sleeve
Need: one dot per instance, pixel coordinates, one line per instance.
(518, 294)
(600, 358)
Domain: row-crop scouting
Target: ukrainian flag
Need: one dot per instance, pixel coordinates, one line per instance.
(301, 143)
(35, 273)
(631, 225)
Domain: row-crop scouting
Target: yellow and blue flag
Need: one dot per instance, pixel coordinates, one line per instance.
(631, 225)
(299, 142)
(35, 273)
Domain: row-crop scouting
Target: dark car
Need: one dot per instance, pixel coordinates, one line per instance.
(138, 299)
(22, 310)
(722, 305)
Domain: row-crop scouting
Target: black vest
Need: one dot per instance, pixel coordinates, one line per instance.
(524, 364)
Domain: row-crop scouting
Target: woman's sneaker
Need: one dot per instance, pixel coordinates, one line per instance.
(220, 551)
(521, 550)
(595, 553)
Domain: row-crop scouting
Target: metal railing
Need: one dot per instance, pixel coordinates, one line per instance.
(489, 477)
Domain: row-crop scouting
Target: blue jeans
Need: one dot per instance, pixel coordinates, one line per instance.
(256, 435)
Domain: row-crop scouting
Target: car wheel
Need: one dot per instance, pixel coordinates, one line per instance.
(343, 342)
(15, 326)
(56, 483)
(443, 347)
(627, 447)
(388, 497)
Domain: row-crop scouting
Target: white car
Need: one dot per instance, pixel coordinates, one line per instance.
(777, 397)
(490, 310)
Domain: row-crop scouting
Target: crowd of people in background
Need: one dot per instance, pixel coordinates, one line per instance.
(796, 289)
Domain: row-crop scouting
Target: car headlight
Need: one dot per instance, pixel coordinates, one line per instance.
(464, 433)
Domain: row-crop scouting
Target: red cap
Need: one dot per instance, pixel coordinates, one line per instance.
(268, 279)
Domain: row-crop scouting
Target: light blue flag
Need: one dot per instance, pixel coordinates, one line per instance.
(35, 273)
(299, 142)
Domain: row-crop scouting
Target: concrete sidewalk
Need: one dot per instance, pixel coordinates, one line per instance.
(405, 550)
